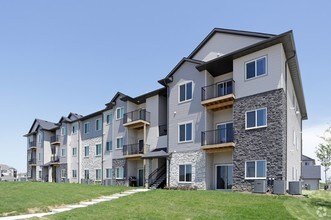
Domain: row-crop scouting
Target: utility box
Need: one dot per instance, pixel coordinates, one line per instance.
(260, 186)
(295, 188)
(279, 187)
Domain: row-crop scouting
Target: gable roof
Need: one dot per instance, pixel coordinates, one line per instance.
(142, 98)
(46, 125)
(305, 158)
(228, 31)
(113, 100)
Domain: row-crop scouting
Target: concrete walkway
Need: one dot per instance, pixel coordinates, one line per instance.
(69, 207)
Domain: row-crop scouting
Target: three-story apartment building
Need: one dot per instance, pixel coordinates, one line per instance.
(228, 114)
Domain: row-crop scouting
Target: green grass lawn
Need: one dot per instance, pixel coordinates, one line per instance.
(169, 204)
(29, 197)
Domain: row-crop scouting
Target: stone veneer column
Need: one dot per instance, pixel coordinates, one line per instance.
(267, 143)
(120, 163)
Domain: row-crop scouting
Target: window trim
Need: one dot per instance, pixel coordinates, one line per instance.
(122, 177)
(121, 113)
(100, 173)
(63, 176)
(65, 152)
(178, 132)
(111, 146)
(74, 131)
(98, 120)
(89, 127)
(255, 178)
(255, 127)
(74, 155)
(109, 118)
(255, 60)
(111, 173)
(88, 172)
(185, 164)
(98, 155)
(63, 131)
(88, 151)
(185, 83)
(72, 174)
(119, 137)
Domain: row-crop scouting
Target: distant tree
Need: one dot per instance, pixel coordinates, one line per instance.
(323, 152)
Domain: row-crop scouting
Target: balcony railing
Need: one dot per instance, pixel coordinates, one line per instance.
(163, 130)
(55, 138)
(136, 115)
(32, 144)
(217, 90)
(32, 161)
(55, 159)
(216, 137)
(133, 149)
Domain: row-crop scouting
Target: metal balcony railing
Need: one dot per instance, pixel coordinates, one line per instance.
(32, 144)
(55, 138)
(32, 161)
(55, 159)
(131, 149)
(218, 136)
(217, 90)
(136, 115)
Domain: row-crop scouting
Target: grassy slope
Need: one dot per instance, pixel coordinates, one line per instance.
(163, 204)
(19, 197)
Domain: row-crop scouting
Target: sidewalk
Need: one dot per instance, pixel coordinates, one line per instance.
(69, 207)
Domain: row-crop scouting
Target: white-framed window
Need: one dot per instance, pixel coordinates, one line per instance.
(74, 173)
(119, 142)
(98, 124)
(63, 173)
(256, 68)
(39, 156)
(185, 91)
(98, 150)
(63, 152)
(86, 174)
(185, 173)
(256, 118)
(98, 174)
(119, 113)
(63, 131)
(74, 129)
(39, 138)
(256, 169)
(74, 151)
(40, 174)
(109, 118)
(86, 127)
(119, 172)
(109, 146)
(185, 132)
(109, 173)
(86, 151)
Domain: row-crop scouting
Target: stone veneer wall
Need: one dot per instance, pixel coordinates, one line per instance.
(267, 143)
(92, 162)
(120, 163)
(198, 161)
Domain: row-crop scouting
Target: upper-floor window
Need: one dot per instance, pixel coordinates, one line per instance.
(98, 149)
(86, 151)
(98, 125)
(63, 152)
(256, 169)
(74, 129)
(109, 146)
(39, 138)
(63, 131)
(86, 127)
(119, 113)
(185, 91)
(255, 68)
(109, 118)
(74, 151)
(119, 142)
(256, 118)
(185, 132)
(39, 156)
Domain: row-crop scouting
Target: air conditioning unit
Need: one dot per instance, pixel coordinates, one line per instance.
(260, 186)
(295, 188)
(279, 187)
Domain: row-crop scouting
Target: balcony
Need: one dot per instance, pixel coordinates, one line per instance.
(136, 119)
(133, 150)
(32, 161)
(32, 145)
(55, 160)
(218, 140)
(55, 139)
(218, 96)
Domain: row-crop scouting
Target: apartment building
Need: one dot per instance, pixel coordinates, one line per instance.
(228, 114)
(311, 173)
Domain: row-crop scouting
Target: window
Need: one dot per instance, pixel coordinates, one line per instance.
(185, 132)
(119, 143)
(109, 173)
(185, 173)
(39, 156)
(98, 124)
(74, 173)
(119, 173)
(74, 129)
(86, 127)
(86, 174)
(256, 169)
(63, 173)
(256, 118)
(255, 68)
(63, 152)
(39, 138)
(63, 131)
(40, 174)
(86, 151)
(74, 151)
(119, 113)
(185, 92)
(109, 118)
(98, 149)
(98, 174)
(306, 163)
(109, 146)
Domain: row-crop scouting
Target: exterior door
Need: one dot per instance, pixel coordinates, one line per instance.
(54, 174)
(224, 133)
(141, 146)
(224, 176)
(224, 88)
(140, 177)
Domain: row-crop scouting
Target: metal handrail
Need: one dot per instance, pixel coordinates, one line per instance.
(217, 136)
(140, 114)
(213, 90)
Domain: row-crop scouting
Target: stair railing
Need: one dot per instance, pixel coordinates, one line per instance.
(156, 174)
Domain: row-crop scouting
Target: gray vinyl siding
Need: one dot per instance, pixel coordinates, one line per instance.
(119, 129)
(188, 111)
(92, 133)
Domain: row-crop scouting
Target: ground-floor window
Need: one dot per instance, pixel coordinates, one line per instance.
(86, 174)
(256, 169)
(185, 173)
(120, 173)
(74, 173)
(109, 173)
(63, 173)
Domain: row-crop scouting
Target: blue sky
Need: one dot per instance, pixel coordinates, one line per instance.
(58, 56)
